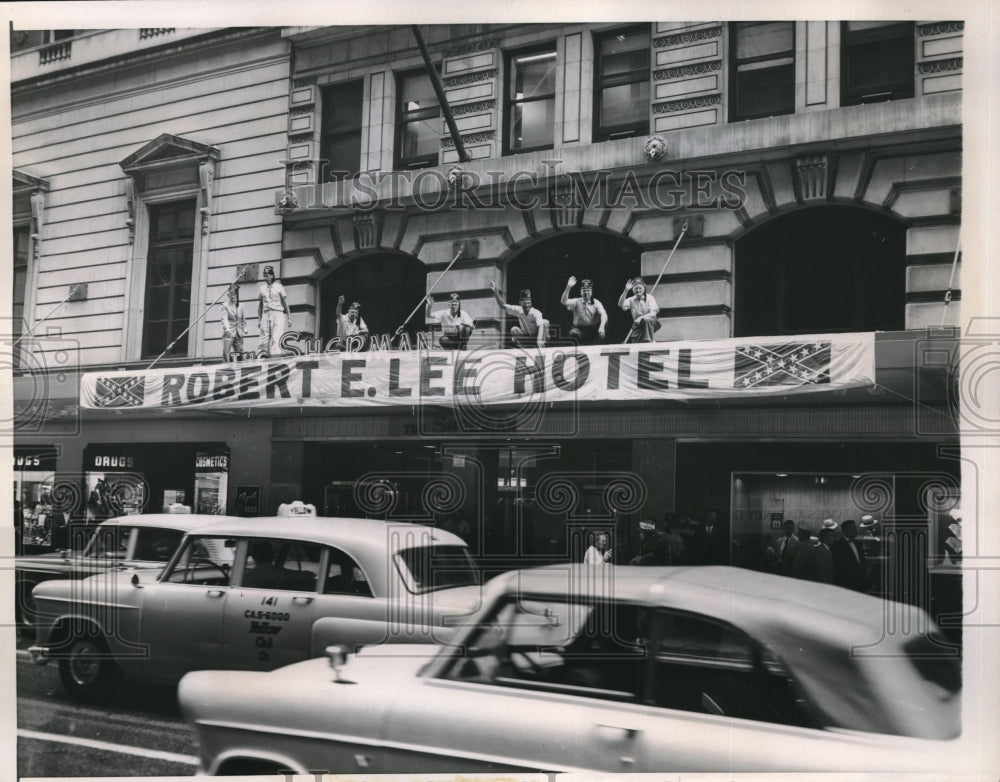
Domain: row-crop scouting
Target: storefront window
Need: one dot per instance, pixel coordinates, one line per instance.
(34, 509)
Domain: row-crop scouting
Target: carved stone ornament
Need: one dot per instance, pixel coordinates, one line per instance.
(655, 147)
(288, 202)
(455, 176)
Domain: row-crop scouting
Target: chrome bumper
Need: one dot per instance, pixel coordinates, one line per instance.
(39, 654)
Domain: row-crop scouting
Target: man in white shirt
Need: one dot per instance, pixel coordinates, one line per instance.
(272, 313)
(643, 309)
(234, 324)
(531, 328)
(589, 316)
(598, 553)
(351, 325)
(456, 324)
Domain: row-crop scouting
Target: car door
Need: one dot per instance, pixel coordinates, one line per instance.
(182, 612)
(543, 685)
(269, 615)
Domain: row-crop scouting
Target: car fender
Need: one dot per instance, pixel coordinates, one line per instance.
(352, 631)
(243, 755)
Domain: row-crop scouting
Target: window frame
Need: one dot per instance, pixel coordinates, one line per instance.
(735, 115)
(628, 129)
(404, 118)
(509, 103)
(889, 32)
(324, 136)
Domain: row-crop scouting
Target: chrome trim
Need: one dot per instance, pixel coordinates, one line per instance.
(39, 654)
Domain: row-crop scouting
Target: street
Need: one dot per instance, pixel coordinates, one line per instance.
(138, 733)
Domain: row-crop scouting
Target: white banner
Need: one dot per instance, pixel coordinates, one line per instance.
(600, 373)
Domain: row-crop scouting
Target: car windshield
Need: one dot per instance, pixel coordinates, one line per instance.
(428, 568)
(155, 544)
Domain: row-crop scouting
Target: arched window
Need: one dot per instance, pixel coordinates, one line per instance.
(821, 270)
(608, 261)
(388, 286)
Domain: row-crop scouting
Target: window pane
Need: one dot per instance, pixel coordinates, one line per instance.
(625, 104)
(418, 94)
(766, 38)
(342, 107)
(763, 92)
(343, 154)
(421, 138)
(534, 75)
(532, 124)
(635, 43)
(341, 143)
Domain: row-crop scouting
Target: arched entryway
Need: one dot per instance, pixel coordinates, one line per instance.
(821, 270)
(387, 285)
(609, 261)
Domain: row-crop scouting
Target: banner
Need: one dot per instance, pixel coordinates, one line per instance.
(601, 373)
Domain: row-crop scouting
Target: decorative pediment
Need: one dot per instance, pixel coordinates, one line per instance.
(27, 183)
(168, 150)
(29, 205)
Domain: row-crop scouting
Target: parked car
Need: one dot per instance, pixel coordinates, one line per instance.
(144, 542)
(256, 594)
(611, 669)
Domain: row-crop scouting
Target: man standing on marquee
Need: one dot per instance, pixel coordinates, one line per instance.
(589, 316)
(234, 324)
(272, 313)
(531, 328)
(644, 310)
(351, 326)
(456, 323)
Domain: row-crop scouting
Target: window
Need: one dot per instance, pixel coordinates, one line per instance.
(341, 143)
(427, 568)
(531, 101)
(622, 84)
(418, 122)
(204, 560)
(344, 576)
(762, 80)
(281, 564)
(168, 278)
(22, 239)
(877, 61)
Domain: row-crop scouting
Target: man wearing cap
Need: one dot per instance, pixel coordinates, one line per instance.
(589, 316)
(653, 545)
(456, 323)
(351, 325)
(850, 569)
(531, 327)
(272, 313)
(234, 324)
(643, 309)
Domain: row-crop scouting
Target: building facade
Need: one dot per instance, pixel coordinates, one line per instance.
(783, 182)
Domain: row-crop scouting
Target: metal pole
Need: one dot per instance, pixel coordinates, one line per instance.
(676, 244)
(951, 280)
(439, 91)
(38, 323)
(461, 249)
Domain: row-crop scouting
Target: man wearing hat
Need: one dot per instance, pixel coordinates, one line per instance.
(643, 309)
(653, 545)
(351, 324)
(234, 324)
(456, 323)
(531, 328)
(589, 316)
(813, 560)
(850, 568)
(272, 313)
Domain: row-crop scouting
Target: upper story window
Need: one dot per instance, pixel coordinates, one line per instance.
(27, 39)
(877, 61)
(531, 101)
(168, 277)
(621, 84)
(341, 143)
(418, 122)
(762, 77)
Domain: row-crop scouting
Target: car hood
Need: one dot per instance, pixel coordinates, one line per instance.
(117, 581)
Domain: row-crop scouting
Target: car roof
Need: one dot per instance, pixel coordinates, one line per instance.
(335, 530)
(179, 521)
(770, 607)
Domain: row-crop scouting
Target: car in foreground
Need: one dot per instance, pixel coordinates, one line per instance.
(143, 542)
(610, 669)
(256, 594)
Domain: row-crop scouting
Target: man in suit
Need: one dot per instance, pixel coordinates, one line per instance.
(711, 541)
(813, 560)
(784, 549)
(850, 570)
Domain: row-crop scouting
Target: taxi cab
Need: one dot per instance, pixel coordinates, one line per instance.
(577, 668)
(256, 594)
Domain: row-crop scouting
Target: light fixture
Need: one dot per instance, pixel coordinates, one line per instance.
(781, 474)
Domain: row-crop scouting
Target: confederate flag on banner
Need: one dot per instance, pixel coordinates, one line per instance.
(120, 391)
(791, 364)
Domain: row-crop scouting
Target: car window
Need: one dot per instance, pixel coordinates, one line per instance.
(703, 665)
(344, 576)
(154, 544)
(590, 650)
(203, 560)
(273, 563)
(110, 542)
(427, 568)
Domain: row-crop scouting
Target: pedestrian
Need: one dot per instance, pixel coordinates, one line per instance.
(352, 331)
(676, 549)
(456, 323)
(784, 549)
(643, 309)
(272, 313)
(710, 541)
(813, 560)
(598, 552)
(590, 319)
(653, 548)
(850, 569)
(234, 324)
(532, 328)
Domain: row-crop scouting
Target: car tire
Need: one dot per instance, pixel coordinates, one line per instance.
(87, 671)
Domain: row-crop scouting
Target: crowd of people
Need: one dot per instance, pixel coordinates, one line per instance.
(671, 540)
(589, 318)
